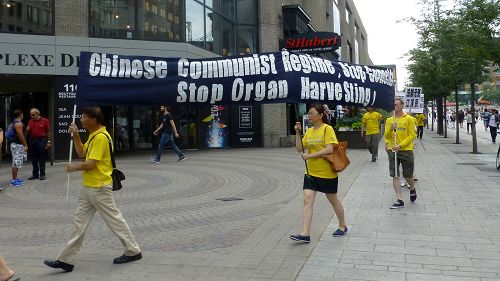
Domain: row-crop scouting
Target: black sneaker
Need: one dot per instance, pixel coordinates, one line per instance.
(413, 195)
(32, 178)
(374, 159)
(300, 238)
(59, 264)
(398, 204)
(124, 259)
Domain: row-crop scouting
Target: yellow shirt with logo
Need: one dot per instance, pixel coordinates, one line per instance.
(97, 148)
(405, 132)
(420, 119)
(315, 140)
(371, 121)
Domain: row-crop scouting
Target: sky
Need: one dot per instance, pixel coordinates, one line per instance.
(388, 39)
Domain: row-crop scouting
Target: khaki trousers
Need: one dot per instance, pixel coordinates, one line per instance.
(101, 200)
(372, 144)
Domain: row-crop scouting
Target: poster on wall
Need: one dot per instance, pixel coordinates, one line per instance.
(245, 126)
(64, 99)
(214, 127)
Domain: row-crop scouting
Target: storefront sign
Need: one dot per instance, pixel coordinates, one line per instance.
(314, 42)
(245, 126)
(282, 77)
(64, 100)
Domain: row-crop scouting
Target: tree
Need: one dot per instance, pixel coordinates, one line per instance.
(454, 47)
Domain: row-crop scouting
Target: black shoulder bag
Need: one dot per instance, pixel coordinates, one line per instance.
(116, 175)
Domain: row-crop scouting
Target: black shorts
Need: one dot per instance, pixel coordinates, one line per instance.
(321, 184)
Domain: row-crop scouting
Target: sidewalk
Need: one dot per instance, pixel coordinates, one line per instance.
(450, 233)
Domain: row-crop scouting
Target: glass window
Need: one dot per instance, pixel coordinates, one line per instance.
(156, 21)
(247, 12)
(247, 40)
(195, 28)
(223, 7)
(29, 16)
(112, 19)
(347, 14)
(356, 51)
(220, 35)
(336, 19)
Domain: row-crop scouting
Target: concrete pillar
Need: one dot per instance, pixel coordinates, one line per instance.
(274, 116)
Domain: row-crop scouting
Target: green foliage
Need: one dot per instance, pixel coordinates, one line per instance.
(349, 122)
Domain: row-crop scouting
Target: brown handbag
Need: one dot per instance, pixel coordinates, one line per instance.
(338, 159)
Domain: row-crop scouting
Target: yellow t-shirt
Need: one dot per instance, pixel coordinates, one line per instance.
(314, 141)
(97, 148)
(371, 120)
(420, 119)
(405, 132)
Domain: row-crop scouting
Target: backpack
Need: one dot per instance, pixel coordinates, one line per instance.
(11, 134)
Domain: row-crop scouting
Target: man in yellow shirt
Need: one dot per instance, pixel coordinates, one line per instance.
(404, 126)
(96, 193)
(420, 124)
(370, 129)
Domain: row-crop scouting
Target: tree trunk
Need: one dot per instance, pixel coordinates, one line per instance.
(457, 139)
(432, 116)
(445, 117)
(472, 100)
(439, 103)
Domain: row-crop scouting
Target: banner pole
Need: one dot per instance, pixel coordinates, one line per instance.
(395, 151)
(70, 157)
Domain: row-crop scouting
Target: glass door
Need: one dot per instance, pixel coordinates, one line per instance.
(122, 128)
(142, 133)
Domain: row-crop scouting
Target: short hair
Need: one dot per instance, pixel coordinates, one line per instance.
(17, 113)
(35, 110)
(94, 112)
(400, 100)
(321, 110)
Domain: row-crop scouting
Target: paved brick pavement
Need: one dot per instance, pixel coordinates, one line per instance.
(450, 233)
(185, 232)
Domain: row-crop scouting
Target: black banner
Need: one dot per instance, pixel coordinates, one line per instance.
(282, 77)
(246, 126)
(64, 100)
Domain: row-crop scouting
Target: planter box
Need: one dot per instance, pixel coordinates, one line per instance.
(353, 138)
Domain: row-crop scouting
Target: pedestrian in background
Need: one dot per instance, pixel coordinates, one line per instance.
(370, 130)
(39, 141)
(96, 194)
(319, 177)
(168, 131)
(404, 125)
(420, 124)
(493, 123)
(18, 146)
(469, 119)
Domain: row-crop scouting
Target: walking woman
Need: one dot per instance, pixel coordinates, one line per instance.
(319, 177)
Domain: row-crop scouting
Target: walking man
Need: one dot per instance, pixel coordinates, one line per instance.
(39, 136)
(404, 126)
(168, 129)
(96, 193)
(420, 124)
(18, 146)
(493, 122)
(370, 129)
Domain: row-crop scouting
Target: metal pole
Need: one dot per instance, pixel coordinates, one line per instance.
(70, 158)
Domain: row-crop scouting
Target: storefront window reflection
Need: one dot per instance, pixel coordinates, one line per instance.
(145, 20)
(195, 29)
(27, 16)
(141, 126)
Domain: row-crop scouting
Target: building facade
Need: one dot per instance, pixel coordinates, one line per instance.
(40, 43)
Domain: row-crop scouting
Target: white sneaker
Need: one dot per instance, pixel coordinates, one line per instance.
(182, 159)
(155, 161)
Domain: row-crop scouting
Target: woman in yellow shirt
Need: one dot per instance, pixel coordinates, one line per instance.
(319, 177)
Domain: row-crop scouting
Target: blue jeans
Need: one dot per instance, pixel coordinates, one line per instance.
(167, 139)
